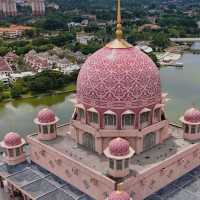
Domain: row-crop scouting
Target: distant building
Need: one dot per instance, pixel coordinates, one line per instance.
(145, 48)
(84, 38)
(5, 69)
(13, 31)
(35, 62)
(4, 79)
(10, 57)
(8, 7)
(38, 7)
(85, 22)
(148, 27)
(90, 17)
(15, 76)
(53, 5)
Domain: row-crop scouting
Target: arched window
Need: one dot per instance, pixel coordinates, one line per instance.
(80, 111)
(193, 129)
(157, 114)
(10, 152)
(52, 130)
(198, 128)
(128, 119)
(17, 151)
(93, 116)
(126, 163)
(111, 163)
(110, 119)
(45, 129)
(145, 118)
(119, 164)
(39, 126)
(186, 128)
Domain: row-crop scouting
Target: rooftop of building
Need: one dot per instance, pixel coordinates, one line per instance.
(38, 183)
(14, 27)
(65, 144)
(4, 66)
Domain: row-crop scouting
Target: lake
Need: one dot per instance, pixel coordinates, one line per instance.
(182, 85)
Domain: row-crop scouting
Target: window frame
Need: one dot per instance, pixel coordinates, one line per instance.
(107, 126)
(45, 129)
(119, 164)
(11, 153)
(91, 117)
(145, 123)
(18, 151)
(193, 129)
(123, 125)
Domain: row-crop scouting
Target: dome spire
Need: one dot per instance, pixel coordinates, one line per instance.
(119, 33)
(119, 42)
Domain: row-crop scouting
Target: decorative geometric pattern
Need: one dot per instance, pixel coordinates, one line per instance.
(192, 115)
(119, 147)
(46, 116)
(119, 195)
(119, 78)
(12, 139)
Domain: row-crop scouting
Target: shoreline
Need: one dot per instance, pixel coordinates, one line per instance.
(55, 92)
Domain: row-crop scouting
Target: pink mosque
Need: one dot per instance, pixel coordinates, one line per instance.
(118, 145)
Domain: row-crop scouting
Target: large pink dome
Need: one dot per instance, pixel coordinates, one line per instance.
(12, 139)
(192, 115)
(119, 78)
(119, 195)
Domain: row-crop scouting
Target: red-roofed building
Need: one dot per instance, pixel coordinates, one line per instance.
(4, 67)
(35, 62)
(10, 57)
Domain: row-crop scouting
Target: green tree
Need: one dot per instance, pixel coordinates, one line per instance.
(1, 90)
(160, 40)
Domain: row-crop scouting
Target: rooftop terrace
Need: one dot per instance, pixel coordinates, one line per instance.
(65, 144)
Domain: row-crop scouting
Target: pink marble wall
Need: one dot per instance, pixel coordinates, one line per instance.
(87, 180)
(152, 179)
(134, 136)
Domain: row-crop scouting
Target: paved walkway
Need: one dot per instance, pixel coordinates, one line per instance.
(3, 195)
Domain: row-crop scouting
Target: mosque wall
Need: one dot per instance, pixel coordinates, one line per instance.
(87, 180)
(160, 175)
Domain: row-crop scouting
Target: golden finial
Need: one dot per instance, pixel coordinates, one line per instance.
(119, 33)
(119, 42)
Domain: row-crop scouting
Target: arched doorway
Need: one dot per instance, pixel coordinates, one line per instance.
(149, 141)
(89, 141)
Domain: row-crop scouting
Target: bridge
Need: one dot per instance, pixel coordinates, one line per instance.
(184, 40)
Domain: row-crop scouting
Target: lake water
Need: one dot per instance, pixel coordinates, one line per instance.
(182, 85)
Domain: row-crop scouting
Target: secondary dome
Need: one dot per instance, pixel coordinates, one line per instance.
(119, 147)
(119, 78)
(46, 116)
(192, 115)
(119, 195)
(12, 139)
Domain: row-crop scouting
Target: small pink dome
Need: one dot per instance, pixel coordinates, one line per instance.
(119, 147)
(192, 115)
(46, 116)
(12, 139)
(119, 195)
(119, 78)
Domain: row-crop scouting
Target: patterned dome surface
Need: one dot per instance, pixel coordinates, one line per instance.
(119, 195)
(119, 78)
(46, 116)
(192, 115)
(119, 147)
(12, 139)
